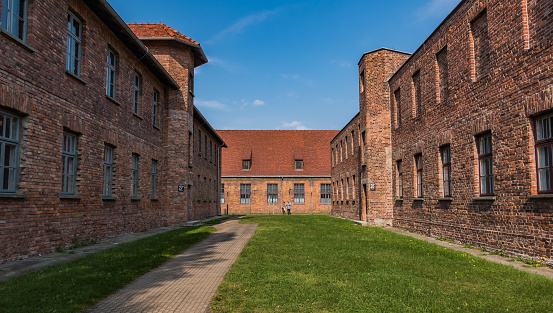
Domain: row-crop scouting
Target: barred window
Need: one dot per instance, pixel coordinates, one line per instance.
(136, 92)
(299, 193)
(446, 170)
(245, 193)
(246, 165)
(399, 168)
(272, 193)
(69, 159)
(9, 145)
(111, 70)
(155, 105)
(418, 167)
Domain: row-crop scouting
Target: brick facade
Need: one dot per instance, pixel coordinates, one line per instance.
(469, 116)
(273, 170)
(46, 101)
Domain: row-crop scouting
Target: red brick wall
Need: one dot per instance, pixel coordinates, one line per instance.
(35, 87)
(312, 191)
(499, 79)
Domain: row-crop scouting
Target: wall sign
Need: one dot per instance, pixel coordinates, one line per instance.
(373, 187)
(181, 188)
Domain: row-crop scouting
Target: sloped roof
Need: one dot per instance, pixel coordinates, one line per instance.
(159, 31)
(273, 152)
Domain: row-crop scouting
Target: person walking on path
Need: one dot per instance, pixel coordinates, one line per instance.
(282, 207)
(288, 206)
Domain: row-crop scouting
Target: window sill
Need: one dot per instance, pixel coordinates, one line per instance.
(113, 100)
(109, 198)
(12, 196)
(545, 196)
(75, 77)
(136, 198)
(154, 199)
(445, 199)
(490, 198)
(70, 197)
(418, 199)
(18, 41)
(138, 116)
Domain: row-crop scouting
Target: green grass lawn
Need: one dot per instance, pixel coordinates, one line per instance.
(75, 285)
(324, 264)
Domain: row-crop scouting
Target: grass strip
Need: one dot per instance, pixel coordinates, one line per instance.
(78, 284)
(325, 264)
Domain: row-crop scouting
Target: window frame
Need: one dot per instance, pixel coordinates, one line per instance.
(69, 171)
(326, 193)
(245, 193)
(10, 140)
(246, 164)
(298, 164)
(299, 193)
(544, 140)
(137, 86)
(419, 178)
(153, 183)
(222, 193)
(74, 58)
(445, 156)
(486, 181)
(107, 189)
(272, 193)
(135, 175)
(155, 108)
(111, 77)
(10, 15)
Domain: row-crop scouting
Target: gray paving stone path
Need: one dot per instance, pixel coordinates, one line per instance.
(187, 282)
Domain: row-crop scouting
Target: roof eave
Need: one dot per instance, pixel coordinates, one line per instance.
(198, 115)
(114, 22)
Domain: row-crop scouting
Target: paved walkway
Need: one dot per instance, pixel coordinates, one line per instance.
(187, 282)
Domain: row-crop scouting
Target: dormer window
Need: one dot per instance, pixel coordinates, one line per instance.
(246, 165)
(299, 165)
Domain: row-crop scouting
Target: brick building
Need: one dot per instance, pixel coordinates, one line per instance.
(97, 127)
(470, 117)
(262, 169)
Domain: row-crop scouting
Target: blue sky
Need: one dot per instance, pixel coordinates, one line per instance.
(287, 64)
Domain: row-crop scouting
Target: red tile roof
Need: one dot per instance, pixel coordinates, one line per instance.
(158, 30)
(273, 152)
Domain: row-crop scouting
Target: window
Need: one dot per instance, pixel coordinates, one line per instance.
(134, 176)
(399, 169)
(9, 144)
(299, 165)
(416, 85)
(108, 170)
(299, 196)
(210, 151)
(325, 193)
(136, 90)
(199, 189)
(245, 193)
(205, 146)
(199, 142)
(445, 153)
(14, 17)
(110, 81)
(206, 189)
(155, 104)
(544, 145)
(397, 107)
(346, 150)
(190, 83)
(246, 165)
(69, 158)
(362, 82)
(485, 165)
(479, 46)
(443, 76)
(352, 142)
(222, 193)
(418, 167)
(272, 193)
(74, 38)
(154, 179)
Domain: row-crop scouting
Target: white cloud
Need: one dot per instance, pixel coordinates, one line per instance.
(295, 125)
(436, 9)
(242, 24)
(341, 63)
(212, 104)
(258, 102)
